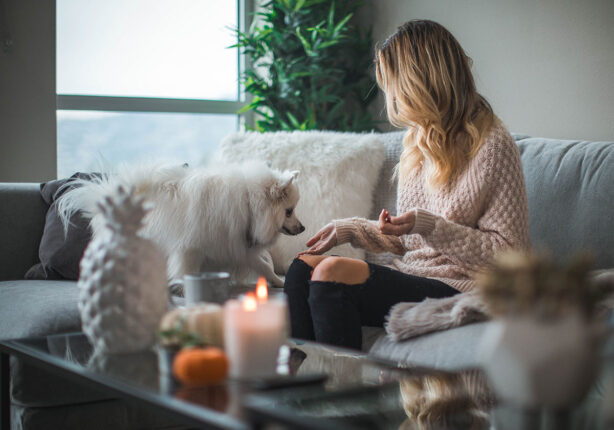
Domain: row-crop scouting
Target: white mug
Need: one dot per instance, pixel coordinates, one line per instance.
(213, 287)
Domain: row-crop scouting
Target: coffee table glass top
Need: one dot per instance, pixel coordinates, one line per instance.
(138, 375)
(429, 399)
(359, 392)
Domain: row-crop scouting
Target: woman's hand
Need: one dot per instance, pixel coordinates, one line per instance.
(396, 225)
(323, 240)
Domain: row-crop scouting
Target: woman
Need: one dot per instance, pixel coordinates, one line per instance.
(461, 198)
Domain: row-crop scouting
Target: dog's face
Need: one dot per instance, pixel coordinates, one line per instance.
(290, 195)
(275, 213)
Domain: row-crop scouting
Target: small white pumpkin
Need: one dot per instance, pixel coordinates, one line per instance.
(204, 320)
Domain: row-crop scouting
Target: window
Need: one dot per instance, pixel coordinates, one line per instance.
(144, 79)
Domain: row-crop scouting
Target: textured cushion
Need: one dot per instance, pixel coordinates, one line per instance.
(338, 172)
(60, 253)
(571, 201)
(455, 348)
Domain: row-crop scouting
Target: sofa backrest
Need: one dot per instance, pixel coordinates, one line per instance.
(571, 200)
(569, 189)
(385, 193)
(22, 219)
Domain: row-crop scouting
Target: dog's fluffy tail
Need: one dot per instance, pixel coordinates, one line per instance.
(85, 194)
(83, 197)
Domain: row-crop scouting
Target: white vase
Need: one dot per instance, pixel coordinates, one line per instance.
(122, 284)
(532, 363)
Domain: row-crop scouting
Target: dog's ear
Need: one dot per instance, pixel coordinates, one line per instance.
(289, 177)
(278, 190)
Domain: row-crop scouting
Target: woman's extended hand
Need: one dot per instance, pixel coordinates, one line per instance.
(396, 225)
(322, 241)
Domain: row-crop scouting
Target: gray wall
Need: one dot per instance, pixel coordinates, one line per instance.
(27, 93)
(546, 66)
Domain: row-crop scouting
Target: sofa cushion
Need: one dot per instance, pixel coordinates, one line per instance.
(60, 252)
(451, 349)
(37, 308)
(569, 187)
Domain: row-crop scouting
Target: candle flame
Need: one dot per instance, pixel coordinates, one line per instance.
(262, 292)
(249, 303)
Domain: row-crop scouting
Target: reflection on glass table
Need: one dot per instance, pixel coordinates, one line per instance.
(425, 399)
(416, 401)
(139, 377)
(359, 391)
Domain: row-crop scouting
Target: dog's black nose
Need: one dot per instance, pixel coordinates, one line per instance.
(302, 229)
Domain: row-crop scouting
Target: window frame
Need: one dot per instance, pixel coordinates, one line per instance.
(75, 102)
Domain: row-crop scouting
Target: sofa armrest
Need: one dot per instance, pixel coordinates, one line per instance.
(22, 219)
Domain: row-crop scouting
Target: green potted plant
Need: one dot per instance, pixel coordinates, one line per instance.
(311, 68)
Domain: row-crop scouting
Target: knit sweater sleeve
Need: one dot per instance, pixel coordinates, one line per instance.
(362, 233)
(503, 224)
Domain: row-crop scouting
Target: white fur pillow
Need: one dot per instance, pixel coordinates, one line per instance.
(338, 172)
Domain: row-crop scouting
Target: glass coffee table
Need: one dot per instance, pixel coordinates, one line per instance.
(420, 398)
(324, 388)
(138, 377)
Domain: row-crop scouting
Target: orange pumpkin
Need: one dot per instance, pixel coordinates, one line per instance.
(200, 366)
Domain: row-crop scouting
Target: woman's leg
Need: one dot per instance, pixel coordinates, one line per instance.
(339, 309)
(296, 287)
(318, 268)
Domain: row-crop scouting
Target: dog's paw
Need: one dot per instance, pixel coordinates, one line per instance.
(277, 282)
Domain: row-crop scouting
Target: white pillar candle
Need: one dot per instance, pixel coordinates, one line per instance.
(254, 330)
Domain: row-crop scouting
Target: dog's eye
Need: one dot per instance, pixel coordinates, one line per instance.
(289, 212)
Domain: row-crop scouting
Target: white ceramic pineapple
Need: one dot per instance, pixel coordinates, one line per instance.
(122, 285)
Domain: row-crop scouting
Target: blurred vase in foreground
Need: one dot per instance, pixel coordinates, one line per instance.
(544, 345)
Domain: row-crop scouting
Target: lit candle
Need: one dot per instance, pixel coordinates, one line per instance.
(262, 292)
(255, 327)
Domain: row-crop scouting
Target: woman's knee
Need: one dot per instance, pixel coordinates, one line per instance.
(297, 276)
(341, 269)
(311, 260)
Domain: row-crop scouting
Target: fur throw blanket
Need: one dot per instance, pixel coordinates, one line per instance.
(407, 320)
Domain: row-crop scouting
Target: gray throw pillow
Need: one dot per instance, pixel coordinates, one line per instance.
(60, 254)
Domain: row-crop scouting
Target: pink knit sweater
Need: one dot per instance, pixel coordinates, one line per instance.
(457, 231)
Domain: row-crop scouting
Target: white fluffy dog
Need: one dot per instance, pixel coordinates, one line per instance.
(221, 218)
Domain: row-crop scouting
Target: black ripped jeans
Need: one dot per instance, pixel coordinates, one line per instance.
(333, 313)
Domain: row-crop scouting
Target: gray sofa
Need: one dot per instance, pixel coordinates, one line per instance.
(570, 189)
(571, 204)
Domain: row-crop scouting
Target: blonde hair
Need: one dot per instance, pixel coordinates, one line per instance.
(426, 77)
(441, 401)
